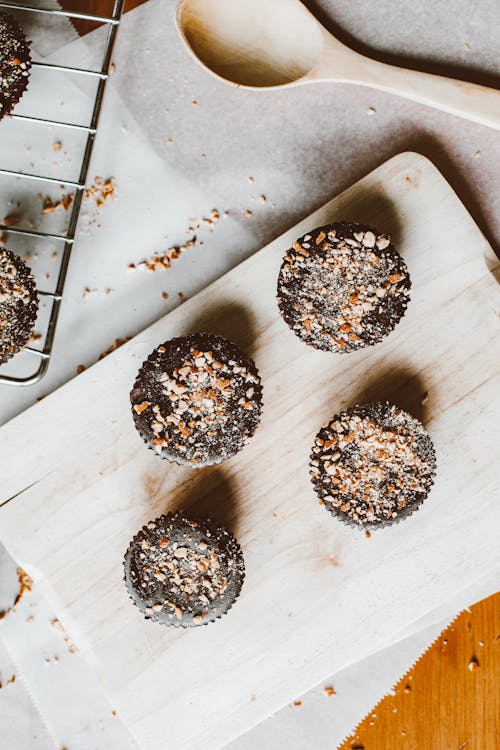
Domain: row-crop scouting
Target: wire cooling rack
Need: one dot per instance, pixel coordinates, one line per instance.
(66, 239)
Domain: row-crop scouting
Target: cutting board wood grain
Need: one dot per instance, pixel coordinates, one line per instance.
(77, 481)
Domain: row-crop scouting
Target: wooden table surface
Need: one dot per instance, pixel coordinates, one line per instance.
(450, 699)
(446, 701)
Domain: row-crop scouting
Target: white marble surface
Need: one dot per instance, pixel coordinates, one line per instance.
(300, 147)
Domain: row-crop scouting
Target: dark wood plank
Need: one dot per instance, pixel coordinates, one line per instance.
(97, 7)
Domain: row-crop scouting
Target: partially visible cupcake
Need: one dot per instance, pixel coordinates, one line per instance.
(342, 287)
(15, 63)
(183, 572)
(372, 465)
(18, 304)
(197, 399)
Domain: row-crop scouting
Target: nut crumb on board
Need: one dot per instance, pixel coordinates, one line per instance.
(57, 146)
(57, 625)
(473, 664)
(161, 262)
(50, 206)
(329, 691)
(11, 220)
(87, 292)
(101, 190)
(114, 346)
(25, 584)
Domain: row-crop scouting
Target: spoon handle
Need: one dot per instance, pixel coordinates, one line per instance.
(469, 100)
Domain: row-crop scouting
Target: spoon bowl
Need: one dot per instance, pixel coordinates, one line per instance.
(265, 44)
(261, 43)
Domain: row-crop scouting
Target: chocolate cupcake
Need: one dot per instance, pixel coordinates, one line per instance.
(15, 63)
(372, 465)
(183, 572)
(18, 304)
(197, 400)
(342, 287)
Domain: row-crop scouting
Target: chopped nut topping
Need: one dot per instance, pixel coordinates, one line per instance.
(342, 287)
(184, 571)
(205, 402)
(18, 303)
(114, 346)
(15, 63)
(378, 464)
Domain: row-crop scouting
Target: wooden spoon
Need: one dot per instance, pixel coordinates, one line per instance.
(262, 44)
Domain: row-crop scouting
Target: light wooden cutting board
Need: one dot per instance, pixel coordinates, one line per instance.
(318, 595)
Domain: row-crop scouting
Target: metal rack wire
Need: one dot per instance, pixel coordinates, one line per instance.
(67, 239)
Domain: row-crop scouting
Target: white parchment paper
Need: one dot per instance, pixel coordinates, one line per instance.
(179, 144)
